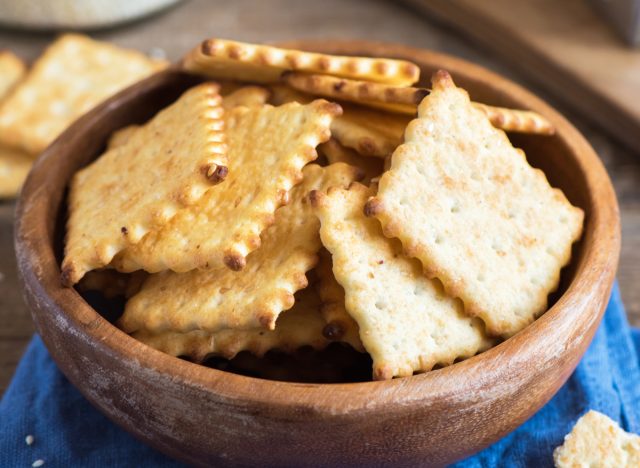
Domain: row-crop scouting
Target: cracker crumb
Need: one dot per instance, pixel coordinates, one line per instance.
(38, 463)
(29, 439)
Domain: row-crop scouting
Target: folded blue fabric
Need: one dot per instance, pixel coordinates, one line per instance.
(68, 431)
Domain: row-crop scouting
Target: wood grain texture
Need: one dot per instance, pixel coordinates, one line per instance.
(207, 416)
(179, 29)
(565, 46)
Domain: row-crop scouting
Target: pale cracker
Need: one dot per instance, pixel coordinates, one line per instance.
(268, 147)
(467, 204)
(406, 321)
(369, 132)
(335, 152)
(14, 167)
(340, 325)
(297, 327)
(221, 58)
(73, 75)
(12, 69)
(236, 96)
(597, 441)
(220, 298)
(166, 165)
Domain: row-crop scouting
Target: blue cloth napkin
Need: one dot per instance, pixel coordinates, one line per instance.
(68, 431)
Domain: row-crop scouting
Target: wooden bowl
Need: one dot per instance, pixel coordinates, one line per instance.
(207, 416)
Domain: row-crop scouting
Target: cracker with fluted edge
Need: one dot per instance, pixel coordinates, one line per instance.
(134, 188)
(14, 167)
(370, 132)
(597, 440)
(340, 325)
(405, 100)
(74, 74)
(407, 323)
(259, 63)
(220, 298)
(12, 69)
(268, 147)
(297, 327)
(335, 152)
(467, 204)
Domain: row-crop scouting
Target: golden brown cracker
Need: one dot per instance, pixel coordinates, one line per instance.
(73, 75)
(335, 152)
(597, 441)
(268, 148)
(406, 321)
(340, 326)
(297, 327)
(467, 204)
(12, 70)
(246, 96)
(164, 166)
(515, 120)
(225, 59)
(212, 300)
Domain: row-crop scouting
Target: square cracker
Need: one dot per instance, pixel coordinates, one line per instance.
(215, 299)
(14, 167)
(164, 166)
(258, 63)
(12, 69)
(596, 440)
(297, 327)
(467, 204)
(268, 147)
(406, 321)
(73, 75)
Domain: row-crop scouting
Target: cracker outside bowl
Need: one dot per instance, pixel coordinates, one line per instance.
(206, 416)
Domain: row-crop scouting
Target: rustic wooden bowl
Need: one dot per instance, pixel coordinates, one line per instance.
(206, 416)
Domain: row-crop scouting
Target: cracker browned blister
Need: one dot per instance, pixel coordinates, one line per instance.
(268, 147)
(166, 165)
(407, 323)
(73, 75)
(335, 152)
(297, 327)
(467, 204)
(597, 440)
(405, 100)
(370, 132)
(12, 70)
(258, 63)
(14, 167)
(215, 299)
(340, 325)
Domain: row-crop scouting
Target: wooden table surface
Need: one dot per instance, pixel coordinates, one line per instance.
(177, 30)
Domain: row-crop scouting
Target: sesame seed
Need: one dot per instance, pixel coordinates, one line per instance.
(29, 439)
(37, 463)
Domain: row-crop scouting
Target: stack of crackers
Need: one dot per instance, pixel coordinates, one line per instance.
(73, 75)
(299, 199)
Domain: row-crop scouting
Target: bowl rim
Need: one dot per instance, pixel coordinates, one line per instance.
(40, 273)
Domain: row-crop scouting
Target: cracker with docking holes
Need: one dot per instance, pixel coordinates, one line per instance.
(73, 75)
(368, 131)
(267, 147)
(467, 204)
(215, 299)
(596, 440)
(340, 325)
(134, 188)
(237, 96)
(258, 63)
(335, 152)
(12, 70)
(407, 323)
(297, 327)
(14, 167)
